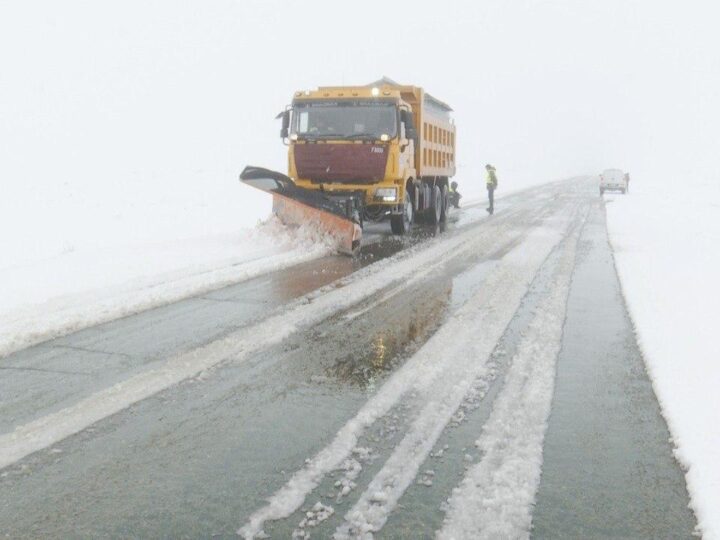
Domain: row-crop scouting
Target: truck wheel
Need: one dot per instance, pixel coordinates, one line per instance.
(400, 224)
(436, 204)
(445, 204)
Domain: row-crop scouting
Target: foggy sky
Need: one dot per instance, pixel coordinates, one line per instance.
(541, 89)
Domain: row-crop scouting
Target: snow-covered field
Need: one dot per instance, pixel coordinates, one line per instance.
(666, 240)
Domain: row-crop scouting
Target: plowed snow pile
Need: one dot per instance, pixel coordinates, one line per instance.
(48, 297)
(666, 242)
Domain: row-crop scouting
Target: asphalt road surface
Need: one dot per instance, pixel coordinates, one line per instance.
(479, 381)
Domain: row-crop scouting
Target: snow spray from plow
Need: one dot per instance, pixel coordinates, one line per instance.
(294, 205)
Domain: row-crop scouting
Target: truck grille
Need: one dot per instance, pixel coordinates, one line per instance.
(359, 163)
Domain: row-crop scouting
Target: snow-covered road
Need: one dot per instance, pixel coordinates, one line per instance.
(405, 398)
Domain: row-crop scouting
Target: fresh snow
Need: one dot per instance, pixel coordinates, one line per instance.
(666, 239)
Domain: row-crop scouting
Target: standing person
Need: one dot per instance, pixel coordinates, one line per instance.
(491, 184)
(454, 195)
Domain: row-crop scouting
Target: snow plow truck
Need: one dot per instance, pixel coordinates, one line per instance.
(362, 153)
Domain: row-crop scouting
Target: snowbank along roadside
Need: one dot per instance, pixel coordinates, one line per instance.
(666, 246)
(50, 298)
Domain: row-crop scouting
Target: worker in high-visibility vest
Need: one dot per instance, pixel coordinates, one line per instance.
(491, 183)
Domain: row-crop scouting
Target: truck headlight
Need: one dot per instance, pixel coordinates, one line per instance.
(386, 194)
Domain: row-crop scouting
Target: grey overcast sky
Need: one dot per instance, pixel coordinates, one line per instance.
(542, 89)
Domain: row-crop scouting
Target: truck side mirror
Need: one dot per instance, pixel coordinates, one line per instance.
(407, 119)
(285, 124)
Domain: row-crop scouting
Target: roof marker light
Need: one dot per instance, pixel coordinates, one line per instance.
(375, 92)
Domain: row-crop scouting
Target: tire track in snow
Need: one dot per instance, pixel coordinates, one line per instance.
(495, 304)
(240, 344)
(496, 496)
(444, 397)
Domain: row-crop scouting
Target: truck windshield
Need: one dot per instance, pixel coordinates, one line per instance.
(349, 119)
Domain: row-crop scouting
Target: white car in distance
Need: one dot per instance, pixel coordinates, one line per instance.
(614, 180)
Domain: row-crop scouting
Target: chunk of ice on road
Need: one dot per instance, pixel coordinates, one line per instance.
(314, 517)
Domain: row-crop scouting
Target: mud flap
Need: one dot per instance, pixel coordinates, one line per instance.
(297, 206)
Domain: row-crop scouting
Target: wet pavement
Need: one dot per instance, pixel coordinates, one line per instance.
(608, 468)
(196, 459)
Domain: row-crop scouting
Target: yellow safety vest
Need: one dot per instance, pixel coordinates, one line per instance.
(491, 178)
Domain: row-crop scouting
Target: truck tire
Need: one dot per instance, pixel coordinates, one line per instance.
(445, 204)
(435, 211)
(400, 224)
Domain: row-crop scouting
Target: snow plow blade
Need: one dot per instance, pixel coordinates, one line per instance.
(297, 206)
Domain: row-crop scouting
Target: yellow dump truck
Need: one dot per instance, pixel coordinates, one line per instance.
(376, 150)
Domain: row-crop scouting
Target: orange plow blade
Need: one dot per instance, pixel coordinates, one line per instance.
(298, 206)
(346, 233)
